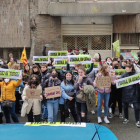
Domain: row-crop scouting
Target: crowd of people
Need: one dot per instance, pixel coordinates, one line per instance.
(78, 87)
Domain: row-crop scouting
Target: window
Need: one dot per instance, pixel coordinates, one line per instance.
(94, 42)
(129, 39)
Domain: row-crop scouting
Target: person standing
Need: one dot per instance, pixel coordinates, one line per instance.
(130, 94)
(53, 103)
(8, 88)
(103, 92)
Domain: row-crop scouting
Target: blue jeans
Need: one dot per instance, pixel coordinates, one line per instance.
(52, 106)
(10, 111)
(45, 111)
(106, 97)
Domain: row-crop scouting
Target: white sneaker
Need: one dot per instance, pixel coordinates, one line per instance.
(102, 110)
(99, 120)
(92, 112)
(110, 110)
(138, 124)
(106, 120)
(132, 106)
(120, 116)
(125, 121)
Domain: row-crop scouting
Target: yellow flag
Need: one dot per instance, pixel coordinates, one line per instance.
(23, 58)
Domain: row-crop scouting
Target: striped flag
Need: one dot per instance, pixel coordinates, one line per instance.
(23, 58)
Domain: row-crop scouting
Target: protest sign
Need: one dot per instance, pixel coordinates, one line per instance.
(126, 55)
(68, 124)
(60, 62)
(87, 65)
(131, 80)
(41, 59)
(79, 59)
(95, 65)
(9, 73)
(134, 55)
(52, 92)
(119, 72)
(33, 93)
(104, 81)
(116, 47)
(57, 54)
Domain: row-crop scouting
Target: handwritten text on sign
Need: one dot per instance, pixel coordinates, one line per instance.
(8, 73)
(33, 93)
(41, 59)
(52, 92)
(104, 81)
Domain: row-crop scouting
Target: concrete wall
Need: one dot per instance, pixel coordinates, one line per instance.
(48, 32)
(87, 20)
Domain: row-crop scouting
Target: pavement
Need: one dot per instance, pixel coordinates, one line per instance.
(122, 131)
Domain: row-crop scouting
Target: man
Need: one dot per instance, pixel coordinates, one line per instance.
(11, 56)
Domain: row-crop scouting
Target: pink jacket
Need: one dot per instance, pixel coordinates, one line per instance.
(104, 89)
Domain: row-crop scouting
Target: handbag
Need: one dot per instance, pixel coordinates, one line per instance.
(6, 103)
(81, 96)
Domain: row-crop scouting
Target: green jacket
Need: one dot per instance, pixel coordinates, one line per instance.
(89, 94)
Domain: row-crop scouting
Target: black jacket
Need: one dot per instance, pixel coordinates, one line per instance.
(44, 78)
(129, 93)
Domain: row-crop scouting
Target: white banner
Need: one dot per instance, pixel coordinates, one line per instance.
(58, 54)
(131, 80)
(79, 59)
(41, 59)
(9, 73)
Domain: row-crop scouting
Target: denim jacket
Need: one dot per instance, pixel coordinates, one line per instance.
(65, 89)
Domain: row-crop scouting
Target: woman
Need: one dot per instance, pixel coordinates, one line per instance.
(53, 103)
(26, 74)
(8, 88)
(81, 81)
(103, 92)
(67, 100)
(116, 94)
(75, 71)
(109, 61)
(130, 95)
(36, 70)
(123, 64)
(34, 105)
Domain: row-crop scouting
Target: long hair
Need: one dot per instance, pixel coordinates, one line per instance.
(31, 77)
(71, 81)
(25, 72)
(35, 66)
(83, 69)
(130, 66)
(103, 70)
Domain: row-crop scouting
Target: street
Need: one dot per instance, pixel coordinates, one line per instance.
(122, 131)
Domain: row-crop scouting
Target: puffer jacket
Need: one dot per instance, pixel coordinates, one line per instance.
(104, 89)
(44, 76)
(129, 93)
(8, 90)
(55, 82)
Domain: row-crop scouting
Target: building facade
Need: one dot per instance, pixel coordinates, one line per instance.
(68, 24)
